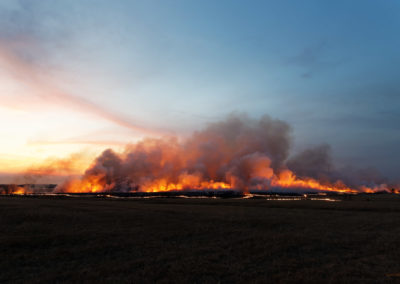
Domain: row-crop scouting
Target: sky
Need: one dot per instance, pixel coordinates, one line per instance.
(77, 77)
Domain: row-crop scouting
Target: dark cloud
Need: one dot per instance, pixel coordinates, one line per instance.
(312, 59)
(309, 56)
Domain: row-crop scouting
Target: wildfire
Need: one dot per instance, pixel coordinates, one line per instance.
(162, 186)
(285, 180)
(91, 185)
(288, 180)
(236, 154)
(20, 191)
(15, 189)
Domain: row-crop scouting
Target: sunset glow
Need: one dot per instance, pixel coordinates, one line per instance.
(69, 91)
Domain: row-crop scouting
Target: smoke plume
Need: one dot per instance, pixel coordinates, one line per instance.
(237, 153)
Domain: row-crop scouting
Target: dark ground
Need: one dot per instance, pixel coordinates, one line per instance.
(78, 239)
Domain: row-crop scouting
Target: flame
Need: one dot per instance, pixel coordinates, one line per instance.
(15, 189)
(90, 185)
(286, 180)
(162, 186)
(20, 191)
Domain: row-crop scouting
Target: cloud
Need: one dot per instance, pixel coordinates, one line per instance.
(16, 60)
(307, 56)
(79, 142)
(311, 59)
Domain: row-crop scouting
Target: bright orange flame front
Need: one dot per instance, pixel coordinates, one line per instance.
(285, 180)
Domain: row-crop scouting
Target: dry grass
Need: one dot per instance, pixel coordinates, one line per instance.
(199, 240)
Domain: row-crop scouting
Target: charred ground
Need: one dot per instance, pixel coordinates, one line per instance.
(86, 239)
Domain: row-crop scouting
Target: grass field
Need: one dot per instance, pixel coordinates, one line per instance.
(53, 239)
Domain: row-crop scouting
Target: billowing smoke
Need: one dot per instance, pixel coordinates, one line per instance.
(237, 153)
(316, 162)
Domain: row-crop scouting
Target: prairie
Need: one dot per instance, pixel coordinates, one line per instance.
(172, 240)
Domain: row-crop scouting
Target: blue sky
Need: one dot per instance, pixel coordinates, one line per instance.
(85, 75)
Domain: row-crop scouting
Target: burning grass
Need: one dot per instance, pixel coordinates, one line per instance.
(58, 239)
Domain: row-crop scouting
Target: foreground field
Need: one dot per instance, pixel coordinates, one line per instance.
(50, 239)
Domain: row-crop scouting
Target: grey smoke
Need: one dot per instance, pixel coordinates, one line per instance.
(243, 152)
